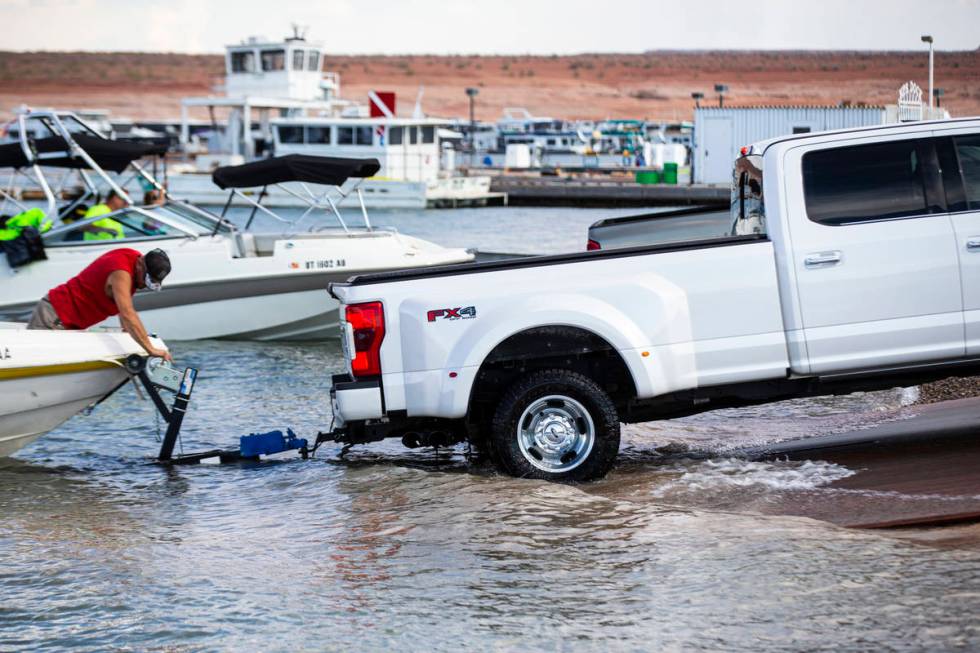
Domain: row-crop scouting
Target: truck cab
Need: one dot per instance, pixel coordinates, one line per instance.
(878, 261)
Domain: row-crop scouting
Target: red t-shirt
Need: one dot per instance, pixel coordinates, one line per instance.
(81, 301)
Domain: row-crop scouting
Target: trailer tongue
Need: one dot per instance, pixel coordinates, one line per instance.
(156, 375)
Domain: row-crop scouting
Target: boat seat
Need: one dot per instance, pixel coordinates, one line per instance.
(265, 243)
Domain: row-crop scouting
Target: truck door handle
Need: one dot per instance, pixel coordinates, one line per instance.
(822, 259)
(973, 244)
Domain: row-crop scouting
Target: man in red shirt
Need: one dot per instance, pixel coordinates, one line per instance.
(105, 288)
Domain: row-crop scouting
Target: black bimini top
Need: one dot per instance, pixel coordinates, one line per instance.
(329, 170)
(108, 154)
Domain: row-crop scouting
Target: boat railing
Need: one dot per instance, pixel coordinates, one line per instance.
(323, 201)
(54, 123)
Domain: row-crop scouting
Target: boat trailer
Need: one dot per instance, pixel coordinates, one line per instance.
(156, 375)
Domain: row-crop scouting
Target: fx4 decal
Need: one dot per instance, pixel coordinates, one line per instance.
(452, 313)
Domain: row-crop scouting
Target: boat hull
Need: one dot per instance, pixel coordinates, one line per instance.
(299, 315)
(30, 406)
(277, 292)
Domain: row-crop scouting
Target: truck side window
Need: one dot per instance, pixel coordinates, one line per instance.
(864, 182)
(968, 152)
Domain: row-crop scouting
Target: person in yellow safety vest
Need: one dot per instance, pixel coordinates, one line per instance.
(106, 228)
(29, 218)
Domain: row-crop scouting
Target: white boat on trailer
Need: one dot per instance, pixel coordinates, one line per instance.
(226, 282)
(46, 377)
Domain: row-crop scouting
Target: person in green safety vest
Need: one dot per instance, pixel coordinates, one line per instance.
(29, 218)
(106, 228)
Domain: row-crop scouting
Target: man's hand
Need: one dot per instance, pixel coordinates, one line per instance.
(161, 353)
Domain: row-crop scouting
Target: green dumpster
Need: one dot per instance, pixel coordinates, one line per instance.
(647, 177)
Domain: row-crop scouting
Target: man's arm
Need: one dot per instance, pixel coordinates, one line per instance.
(121, 284)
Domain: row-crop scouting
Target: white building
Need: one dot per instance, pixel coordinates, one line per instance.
(719, 133)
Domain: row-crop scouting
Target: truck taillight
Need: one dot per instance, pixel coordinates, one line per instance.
(367, 321)
(593, 245)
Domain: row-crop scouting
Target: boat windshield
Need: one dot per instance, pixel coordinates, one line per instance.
(195, 218)
(168, 221)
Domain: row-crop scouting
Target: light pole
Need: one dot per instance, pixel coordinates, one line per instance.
(697, 96)
(721, 89)
(928, 39)
(472, 93)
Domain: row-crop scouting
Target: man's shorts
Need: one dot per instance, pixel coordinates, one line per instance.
(44, 316)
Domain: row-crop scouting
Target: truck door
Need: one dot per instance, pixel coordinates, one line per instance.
(875, 255)
(959, 156)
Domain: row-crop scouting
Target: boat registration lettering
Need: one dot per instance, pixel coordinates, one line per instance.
(5, 353)
(325, 264)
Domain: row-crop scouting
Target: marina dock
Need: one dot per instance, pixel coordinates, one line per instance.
(604, 192)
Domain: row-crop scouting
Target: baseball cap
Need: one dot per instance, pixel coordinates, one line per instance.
(157, 264)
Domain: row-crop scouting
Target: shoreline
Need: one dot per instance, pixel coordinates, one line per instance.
(655, 85)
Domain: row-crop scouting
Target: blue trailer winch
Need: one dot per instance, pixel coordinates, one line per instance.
(156, 375)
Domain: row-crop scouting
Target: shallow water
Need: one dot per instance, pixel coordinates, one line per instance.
(413, 550)
(678, 549)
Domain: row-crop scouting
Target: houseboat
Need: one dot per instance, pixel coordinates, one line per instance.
(276, 100)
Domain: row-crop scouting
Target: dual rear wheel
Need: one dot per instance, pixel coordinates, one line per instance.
(556, 425)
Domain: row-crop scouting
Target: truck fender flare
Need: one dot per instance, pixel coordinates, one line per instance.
(590, 314)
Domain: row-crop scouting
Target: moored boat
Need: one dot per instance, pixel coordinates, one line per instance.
(227, 282)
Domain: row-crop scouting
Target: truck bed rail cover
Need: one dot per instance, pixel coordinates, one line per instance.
(555, 259)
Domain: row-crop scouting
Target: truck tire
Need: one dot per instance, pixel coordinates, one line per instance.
(556, 425)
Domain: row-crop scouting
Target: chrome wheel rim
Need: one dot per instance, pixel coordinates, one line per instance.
(556, 433)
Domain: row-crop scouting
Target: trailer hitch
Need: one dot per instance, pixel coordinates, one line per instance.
(156, 375)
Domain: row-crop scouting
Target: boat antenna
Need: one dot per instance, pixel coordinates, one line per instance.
(299, 32)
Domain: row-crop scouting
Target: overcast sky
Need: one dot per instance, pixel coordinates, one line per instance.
(488, 27)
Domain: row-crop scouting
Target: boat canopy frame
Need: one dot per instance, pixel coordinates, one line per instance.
(63, 149)
(74, 156)
(302, 169)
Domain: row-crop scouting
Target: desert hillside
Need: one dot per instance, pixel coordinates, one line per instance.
(656, 84)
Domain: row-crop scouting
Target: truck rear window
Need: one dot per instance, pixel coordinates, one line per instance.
(864, 182)
(748, 207)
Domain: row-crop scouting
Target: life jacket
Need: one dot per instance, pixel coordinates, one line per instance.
(104, 223)
(29, 218)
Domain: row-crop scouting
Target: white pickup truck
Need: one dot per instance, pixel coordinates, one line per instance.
(855, 266)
